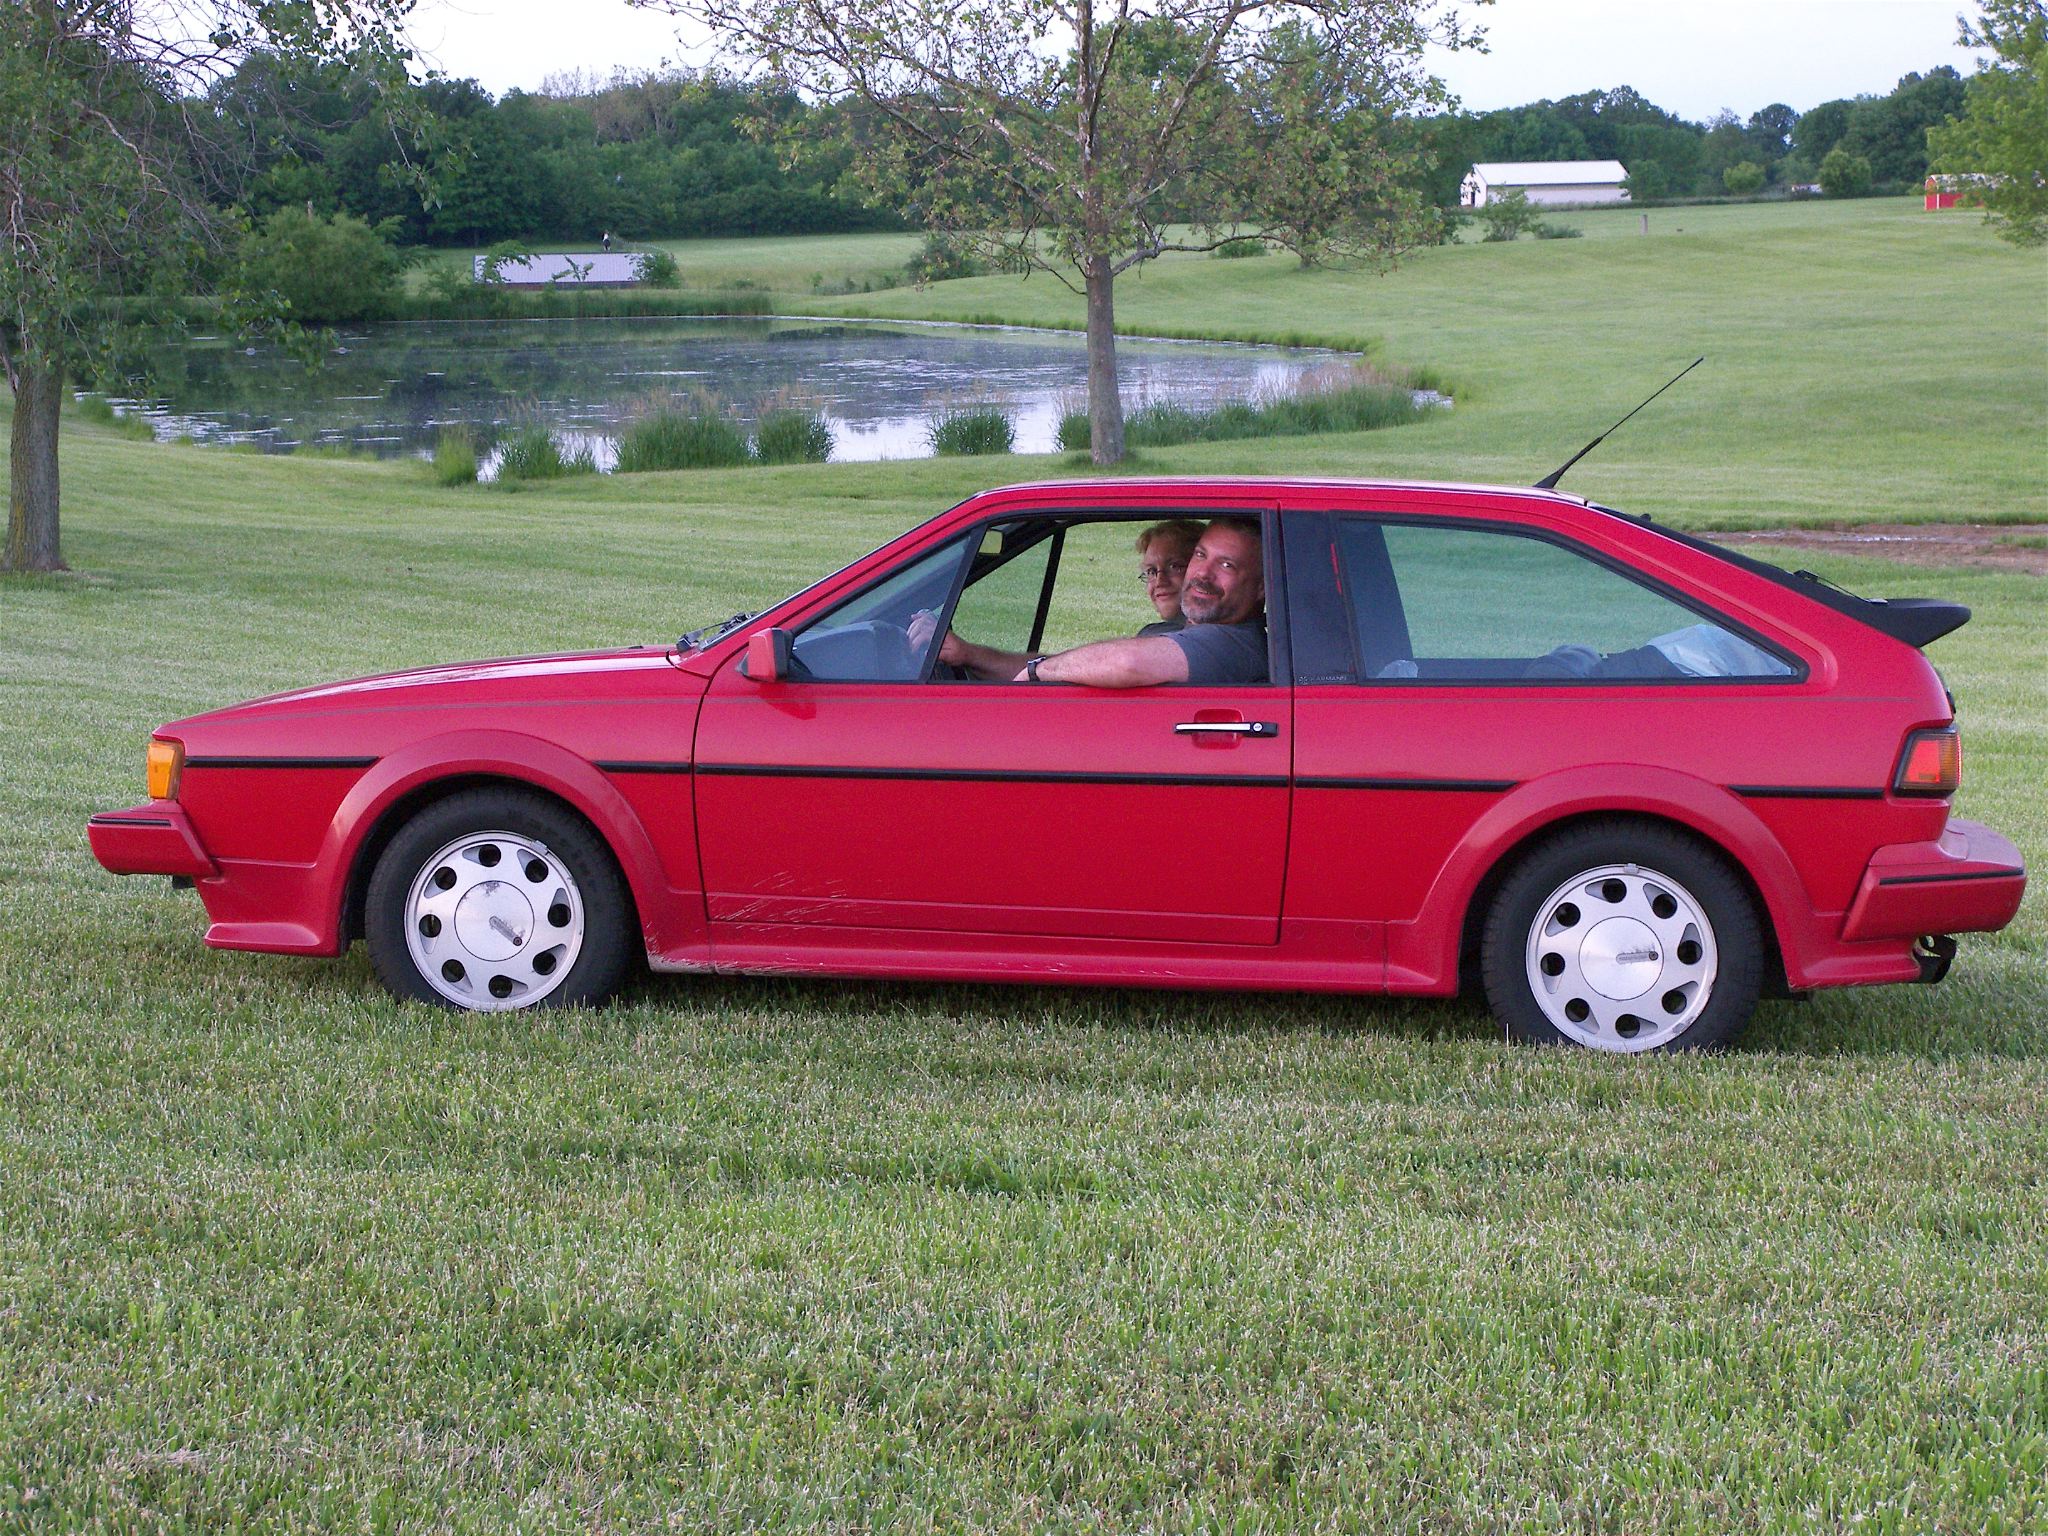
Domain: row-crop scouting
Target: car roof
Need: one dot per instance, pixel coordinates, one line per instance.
(1155, 484)
(1911, 619)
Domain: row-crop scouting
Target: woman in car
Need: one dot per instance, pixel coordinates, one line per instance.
(1163, 551)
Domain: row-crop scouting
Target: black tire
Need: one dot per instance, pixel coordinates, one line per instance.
(1699, 1015)
(594, 893)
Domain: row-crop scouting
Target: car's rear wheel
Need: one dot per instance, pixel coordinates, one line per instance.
(1623, 937)
(498, 899)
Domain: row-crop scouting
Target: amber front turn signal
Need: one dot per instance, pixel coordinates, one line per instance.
(166, 762)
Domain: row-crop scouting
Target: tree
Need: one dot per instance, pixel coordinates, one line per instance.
(1646, 182)
(1084, 139)
(1743, 178)
(1509, 215)
(2003, 132)
(325, 270)
(1843, 174)
(1770, 131)
(1891, 131)
(103, 200)
(1820, 130)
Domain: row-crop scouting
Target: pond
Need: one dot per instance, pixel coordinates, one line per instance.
(390, 389)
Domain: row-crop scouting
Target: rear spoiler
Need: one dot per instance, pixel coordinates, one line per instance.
(1918, 621)
(1915, 620)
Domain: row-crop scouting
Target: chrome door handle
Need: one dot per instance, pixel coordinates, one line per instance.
(1227, 728)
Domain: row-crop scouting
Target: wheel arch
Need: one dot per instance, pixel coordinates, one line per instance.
(1436, 949)
(1480, 901)
(405, 783)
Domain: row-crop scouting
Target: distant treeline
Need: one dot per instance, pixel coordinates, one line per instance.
(1669, 157)
(681, 153)
(660, 155)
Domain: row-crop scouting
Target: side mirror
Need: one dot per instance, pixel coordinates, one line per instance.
(768, 656)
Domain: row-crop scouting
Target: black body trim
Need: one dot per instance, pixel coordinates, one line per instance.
(1973, 874)
(279, 762)
(1804, 792)
(994, 775)
(104, 820)
(627, 767)
(1472, 786)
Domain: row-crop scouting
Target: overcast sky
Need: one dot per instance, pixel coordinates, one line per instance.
(1692, 57)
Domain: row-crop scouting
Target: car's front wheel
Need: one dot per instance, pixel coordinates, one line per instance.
(1623, 937)
(496, 899)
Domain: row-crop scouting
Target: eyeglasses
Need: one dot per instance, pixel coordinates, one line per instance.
(1151, 573)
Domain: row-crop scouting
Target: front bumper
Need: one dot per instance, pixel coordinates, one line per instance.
(152, 839)
(1969, 881)
(250, 904)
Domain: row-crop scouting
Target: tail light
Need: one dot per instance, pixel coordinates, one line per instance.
(166, 763)
(1932, 763)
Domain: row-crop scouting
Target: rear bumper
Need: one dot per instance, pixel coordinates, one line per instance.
(152, 839)
(1969, 881)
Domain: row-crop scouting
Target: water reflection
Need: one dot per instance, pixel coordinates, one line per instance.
(390, 389)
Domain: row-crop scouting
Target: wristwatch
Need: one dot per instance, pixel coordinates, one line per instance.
(1031, 668)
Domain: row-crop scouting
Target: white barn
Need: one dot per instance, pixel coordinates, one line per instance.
(1545, 181)
(567, 269)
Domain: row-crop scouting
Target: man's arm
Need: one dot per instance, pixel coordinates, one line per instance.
(1135, 663)
(984, 661)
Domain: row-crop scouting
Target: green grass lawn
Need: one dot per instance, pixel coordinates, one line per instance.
(279, 1254)
(1864, 359)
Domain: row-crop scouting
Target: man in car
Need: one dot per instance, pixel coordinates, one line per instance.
(1224, 641)
(1164, 550)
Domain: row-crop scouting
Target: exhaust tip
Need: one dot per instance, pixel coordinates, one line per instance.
(1935, 953)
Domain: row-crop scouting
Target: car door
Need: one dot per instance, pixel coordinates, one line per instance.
(1440, 662)
(885, 799)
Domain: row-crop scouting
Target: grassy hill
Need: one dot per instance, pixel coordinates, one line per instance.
(279, 1254)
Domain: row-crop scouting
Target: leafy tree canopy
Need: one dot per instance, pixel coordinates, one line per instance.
(111, 194)
(1084, 139)
(2002, 134)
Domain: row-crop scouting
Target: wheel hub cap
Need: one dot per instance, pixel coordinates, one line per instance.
(1621, 958)
(494, 921)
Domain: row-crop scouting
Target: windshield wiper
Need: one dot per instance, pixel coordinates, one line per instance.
(697, 639)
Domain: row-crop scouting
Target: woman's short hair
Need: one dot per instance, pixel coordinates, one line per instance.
(1184, 531)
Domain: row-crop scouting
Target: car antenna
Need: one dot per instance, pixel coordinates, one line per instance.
(1549, 481)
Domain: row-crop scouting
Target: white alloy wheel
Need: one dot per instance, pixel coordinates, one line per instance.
(494, 921)
(1621, 958)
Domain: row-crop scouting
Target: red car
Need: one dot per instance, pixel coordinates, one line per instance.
(1629, 780)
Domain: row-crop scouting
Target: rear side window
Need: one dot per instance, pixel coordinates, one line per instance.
(1431, 602)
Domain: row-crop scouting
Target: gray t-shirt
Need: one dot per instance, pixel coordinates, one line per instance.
(1163, 627)
(1224, 653)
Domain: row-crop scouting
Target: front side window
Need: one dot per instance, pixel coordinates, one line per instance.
(874, 636)
(1432, 602)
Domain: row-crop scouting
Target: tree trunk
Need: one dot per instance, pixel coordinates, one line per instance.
(32, 472)
(1105, 405)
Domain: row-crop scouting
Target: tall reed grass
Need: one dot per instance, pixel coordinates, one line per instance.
(455, 455)
(975, 429)
(494, 301)
(1344, 398)
(97, 408)
(535, 453)
(669, 439)
(792, 436)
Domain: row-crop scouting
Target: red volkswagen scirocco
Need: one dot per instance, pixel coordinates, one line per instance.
(1630, 779)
